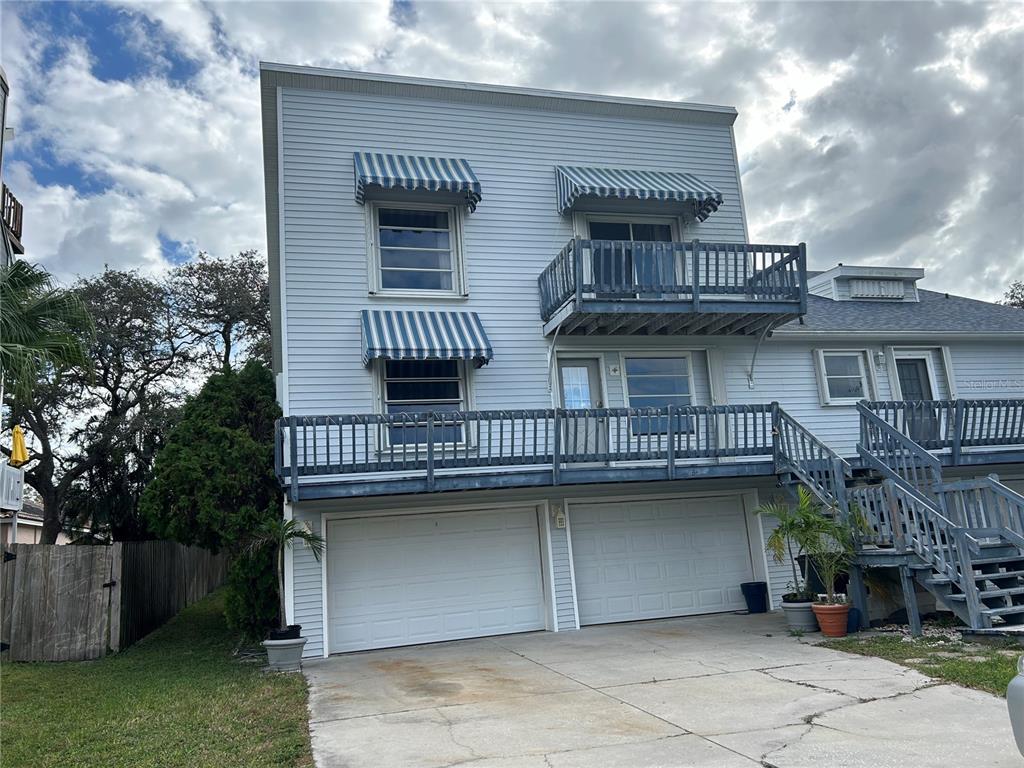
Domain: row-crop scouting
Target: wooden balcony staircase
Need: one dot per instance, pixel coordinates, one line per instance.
(961, 541)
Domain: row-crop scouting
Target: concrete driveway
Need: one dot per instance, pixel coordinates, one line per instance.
(715, 692)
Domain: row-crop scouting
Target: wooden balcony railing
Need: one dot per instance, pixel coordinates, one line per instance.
(12, 213)
(624, 270)
(955, 424)
(552, 440)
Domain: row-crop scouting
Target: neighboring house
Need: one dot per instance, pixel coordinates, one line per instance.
(10, 208)
(11, 479)
(30, 526)
(617, 377)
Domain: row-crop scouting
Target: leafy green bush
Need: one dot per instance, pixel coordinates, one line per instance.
(250, 604)
(213, 484)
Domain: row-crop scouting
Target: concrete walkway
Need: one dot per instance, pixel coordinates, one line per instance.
(703, 692)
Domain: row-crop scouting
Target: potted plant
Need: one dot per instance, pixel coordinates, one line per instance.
(284, 646)
(797, 532)
(830, 555)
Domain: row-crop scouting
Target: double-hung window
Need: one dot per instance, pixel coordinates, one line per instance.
(418, 387)
(658, 382)
(416, 250)
(843, 376)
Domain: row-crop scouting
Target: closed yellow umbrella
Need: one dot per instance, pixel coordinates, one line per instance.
(18, 453)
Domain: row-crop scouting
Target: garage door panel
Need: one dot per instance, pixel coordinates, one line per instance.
(639, 560)
(440, 576)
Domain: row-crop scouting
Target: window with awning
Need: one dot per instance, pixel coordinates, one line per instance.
(416, 173)
(575, 182)
(424, 335)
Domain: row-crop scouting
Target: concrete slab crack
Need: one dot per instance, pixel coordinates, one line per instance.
(857, 699)
(474, 755)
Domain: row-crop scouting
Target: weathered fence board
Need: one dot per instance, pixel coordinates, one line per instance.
(67, 603)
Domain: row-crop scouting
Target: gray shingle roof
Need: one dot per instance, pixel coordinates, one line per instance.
(935, 312)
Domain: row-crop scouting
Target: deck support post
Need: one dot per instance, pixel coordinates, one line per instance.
(671, 437)
(293, 446)
(695, 275)
(556, 456)
(910, 600)
(958, 431)
(859, 594)
(430, 452)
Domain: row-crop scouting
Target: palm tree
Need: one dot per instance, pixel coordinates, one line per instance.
(280, 533)
(41, 326)
(800, 530)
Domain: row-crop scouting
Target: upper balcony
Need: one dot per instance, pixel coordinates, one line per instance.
(12, 219)
(611, 287)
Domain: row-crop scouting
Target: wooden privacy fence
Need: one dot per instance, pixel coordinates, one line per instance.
(68, 603)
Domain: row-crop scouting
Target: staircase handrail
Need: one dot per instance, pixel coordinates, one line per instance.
(815, 464)
(885, 448)
(983, 502)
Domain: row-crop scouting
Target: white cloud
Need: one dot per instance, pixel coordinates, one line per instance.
(892, 115)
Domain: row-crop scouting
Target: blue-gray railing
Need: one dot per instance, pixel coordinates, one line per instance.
(890, 451)
(983, 502)
(422, 444)
(678, 271)
(955, 424)
(816, 465)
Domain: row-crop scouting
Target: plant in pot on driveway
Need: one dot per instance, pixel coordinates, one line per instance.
(284, 646)
(797, 532)
(831, 555)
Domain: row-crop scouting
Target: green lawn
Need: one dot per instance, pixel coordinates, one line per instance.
(985, 667)
(178, 698)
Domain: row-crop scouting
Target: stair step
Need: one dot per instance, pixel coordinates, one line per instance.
(989, 593)
(1008, 610)
(997, 560)
(999, 576)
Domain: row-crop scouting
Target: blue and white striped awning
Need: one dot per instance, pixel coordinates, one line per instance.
(415, 172)
(421, 335)
(573, 182)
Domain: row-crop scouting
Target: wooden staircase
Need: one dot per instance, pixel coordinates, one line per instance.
(962, 541)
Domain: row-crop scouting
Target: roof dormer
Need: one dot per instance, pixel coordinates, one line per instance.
(887, 284)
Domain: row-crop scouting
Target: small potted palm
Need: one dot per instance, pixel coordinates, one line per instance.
(796, 533)
(831, 556)
(285, 644)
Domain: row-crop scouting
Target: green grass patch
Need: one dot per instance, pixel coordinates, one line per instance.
(985, 667)
(180, 697)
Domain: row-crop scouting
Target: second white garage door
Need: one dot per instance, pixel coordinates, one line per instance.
(406, 579)
(654, 559)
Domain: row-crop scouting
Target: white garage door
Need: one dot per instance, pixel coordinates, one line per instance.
(400, 580)
(653, 559)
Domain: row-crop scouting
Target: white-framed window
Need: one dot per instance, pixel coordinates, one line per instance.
(658, 381)
(423, 386)
(416, 250)
(843, 377)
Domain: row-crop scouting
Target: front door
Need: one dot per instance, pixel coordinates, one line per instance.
(922, 423)
(586, 434)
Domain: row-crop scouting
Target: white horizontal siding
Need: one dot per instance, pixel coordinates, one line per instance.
(565, 602)
(509, 240)
(989, 369)
(308, 589)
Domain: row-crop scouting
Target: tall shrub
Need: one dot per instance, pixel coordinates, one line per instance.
(214, 485)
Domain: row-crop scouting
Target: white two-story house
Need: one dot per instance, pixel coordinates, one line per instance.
(535, 376)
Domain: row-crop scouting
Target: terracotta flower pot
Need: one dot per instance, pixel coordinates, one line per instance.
(831, 618)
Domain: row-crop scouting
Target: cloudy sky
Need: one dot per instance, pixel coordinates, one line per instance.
(889, 133)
